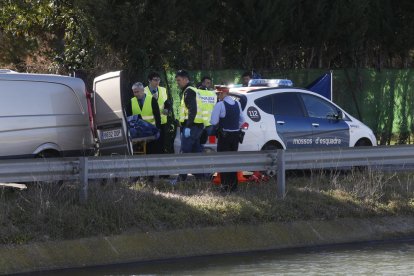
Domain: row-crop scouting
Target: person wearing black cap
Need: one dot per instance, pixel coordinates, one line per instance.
(227, 116)
(191, 116)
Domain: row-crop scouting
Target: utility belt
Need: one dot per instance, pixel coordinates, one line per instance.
(224, 134)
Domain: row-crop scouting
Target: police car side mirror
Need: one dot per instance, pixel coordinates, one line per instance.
(339, 115)
(332, 116)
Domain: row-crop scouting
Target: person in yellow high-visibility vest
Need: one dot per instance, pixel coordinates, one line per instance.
(148, 110)
(191, 116)
(160, 94)
(208, 99)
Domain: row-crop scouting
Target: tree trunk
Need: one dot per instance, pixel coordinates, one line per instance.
(311, 56)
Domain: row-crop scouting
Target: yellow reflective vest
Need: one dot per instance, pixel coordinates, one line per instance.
(184, 111)
(208, 100)
(146, 112)
(162, 97)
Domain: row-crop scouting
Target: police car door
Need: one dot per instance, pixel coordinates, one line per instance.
(329, 128)
(291, 123)
(110, 115)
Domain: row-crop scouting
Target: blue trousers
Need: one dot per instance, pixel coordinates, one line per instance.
(191, 144)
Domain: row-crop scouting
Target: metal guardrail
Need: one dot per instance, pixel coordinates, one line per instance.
(120, 166)
(31, 170)
(274, 162)
(374, 157)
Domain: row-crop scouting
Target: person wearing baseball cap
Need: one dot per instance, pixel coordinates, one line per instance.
(227, 116)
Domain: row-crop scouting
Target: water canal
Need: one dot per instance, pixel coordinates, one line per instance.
(389, 258)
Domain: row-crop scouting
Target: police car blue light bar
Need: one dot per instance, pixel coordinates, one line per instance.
(271, 82)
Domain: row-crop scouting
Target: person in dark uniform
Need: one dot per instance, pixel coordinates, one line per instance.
(246, 77)
(227, 116)
(191, 116)
(206, 83)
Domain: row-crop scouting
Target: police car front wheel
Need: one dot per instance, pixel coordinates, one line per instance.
(363, 143)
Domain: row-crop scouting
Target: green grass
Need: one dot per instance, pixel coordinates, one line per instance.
(53, 212)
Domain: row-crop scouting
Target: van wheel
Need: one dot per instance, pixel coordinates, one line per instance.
(48, 154)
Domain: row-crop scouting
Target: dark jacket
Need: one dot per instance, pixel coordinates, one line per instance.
(156, 112)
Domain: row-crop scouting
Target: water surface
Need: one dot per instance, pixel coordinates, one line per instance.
(391, 258)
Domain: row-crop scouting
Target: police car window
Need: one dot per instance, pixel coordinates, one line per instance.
(265, 104)
(318, 108)
(287, 104)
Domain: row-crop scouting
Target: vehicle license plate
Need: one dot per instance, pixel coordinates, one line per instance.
(111, 134)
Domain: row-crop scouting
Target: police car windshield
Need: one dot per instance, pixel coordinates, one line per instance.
(240, 98)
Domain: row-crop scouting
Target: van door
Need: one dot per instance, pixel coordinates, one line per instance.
(110, 116)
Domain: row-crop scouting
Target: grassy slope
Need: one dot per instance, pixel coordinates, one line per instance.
(46, 211)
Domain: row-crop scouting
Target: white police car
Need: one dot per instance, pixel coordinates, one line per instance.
(280, 117)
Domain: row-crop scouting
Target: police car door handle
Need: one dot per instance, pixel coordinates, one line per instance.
(315, 125)
(280, 122)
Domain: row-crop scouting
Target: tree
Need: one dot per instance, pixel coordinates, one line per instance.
(46, 35)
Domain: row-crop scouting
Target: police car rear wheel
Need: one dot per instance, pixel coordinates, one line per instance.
(272, 146)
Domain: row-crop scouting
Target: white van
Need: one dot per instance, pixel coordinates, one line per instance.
(43, 116)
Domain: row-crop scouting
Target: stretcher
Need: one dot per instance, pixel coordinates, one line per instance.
(140, 133)
(139, 145)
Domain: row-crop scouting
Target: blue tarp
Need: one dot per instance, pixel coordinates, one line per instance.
(322, 86)
(139, 128)
(256, 75)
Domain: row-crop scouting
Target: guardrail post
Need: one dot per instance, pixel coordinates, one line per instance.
(83, 179)
(281, 174)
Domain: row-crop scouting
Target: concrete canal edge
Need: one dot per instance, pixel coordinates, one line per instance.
(135, 247)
